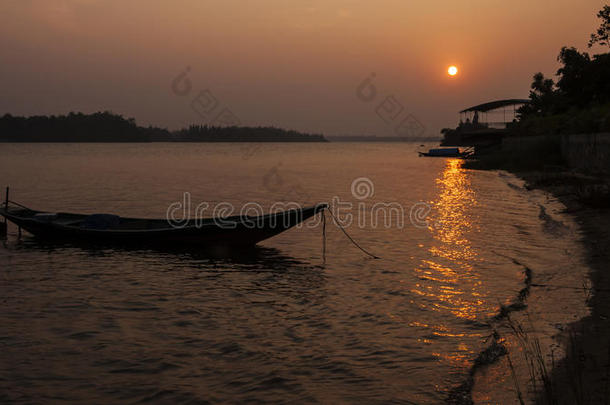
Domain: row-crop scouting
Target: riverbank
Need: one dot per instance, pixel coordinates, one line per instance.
(583, 375)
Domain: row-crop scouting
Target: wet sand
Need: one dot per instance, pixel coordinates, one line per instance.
(582, 377)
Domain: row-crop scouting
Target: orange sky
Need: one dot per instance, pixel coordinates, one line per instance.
(278, 62)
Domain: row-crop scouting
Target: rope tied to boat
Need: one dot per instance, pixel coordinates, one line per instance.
(336, 221)
(17, 204)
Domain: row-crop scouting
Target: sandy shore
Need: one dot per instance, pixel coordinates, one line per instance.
(583, 376)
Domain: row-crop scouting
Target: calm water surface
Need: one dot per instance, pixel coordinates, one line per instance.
(274, 324)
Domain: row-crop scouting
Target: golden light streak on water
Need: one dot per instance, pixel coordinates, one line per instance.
(449, 281)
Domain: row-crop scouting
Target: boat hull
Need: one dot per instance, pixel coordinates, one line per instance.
(231, 231)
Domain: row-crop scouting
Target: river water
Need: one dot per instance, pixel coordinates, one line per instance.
(278, 323)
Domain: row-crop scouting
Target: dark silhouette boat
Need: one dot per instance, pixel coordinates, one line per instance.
(112, 229)
(447, 152)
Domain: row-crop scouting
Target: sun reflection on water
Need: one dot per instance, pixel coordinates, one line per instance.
(450, 283)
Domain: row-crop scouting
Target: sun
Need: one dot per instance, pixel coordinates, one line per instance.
(453, 70)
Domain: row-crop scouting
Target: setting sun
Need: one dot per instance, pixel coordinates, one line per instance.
(452, 70)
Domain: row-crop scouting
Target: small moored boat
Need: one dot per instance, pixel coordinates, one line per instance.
(446, 152)
(113, 229)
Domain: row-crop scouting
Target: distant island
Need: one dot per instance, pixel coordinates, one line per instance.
(110, 127)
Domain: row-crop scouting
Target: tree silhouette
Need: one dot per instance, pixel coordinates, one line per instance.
(574, 82)
(108, 127)
(542, 97)
(603, 32)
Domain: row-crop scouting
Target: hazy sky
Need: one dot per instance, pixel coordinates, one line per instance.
(293, 64)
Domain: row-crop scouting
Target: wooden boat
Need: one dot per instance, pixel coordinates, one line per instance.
(447, 152)
(112, 229)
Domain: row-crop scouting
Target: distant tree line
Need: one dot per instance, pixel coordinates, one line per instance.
(204, 133)
(74, 127)
(579, 100)
(109, 127)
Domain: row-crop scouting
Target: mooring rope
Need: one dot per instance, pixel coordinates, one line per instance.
(349, 237)
(19, 205)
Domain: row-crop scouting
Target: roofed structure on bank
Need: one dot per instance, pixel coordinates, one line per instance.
(494, 105)
(477, 129)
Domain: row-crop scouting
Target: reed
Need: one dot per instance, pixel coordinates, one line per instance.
(535, 360)
(515, 380)
(543, 379)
